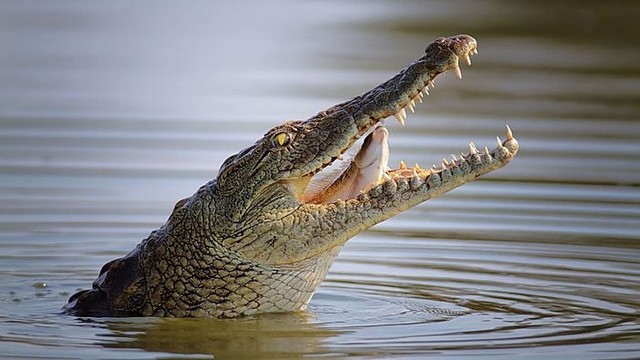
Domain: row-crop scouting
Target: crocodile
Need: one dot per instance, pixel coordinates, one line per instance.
(262, 236)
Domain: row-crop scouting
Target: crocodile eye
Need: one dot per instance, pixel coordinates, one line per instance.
(281, 139)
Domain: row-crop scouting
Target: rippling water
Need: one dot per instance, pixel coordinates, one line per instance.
(109, 114)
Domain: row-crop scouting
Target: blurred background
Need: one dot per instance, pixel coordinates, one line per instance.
(111, 112)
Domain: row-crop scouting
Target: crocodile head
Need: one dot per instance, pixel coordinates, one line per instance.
(262, 236)
(275, 203)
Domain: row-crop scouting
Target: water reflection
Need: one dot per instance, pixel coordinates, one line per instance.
(276, 336)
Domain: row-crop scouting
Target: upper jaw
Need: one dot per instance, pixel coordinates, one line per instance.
(412, 83)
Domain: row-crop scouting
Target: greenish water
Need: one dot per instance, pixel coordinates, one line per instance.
(109, 114)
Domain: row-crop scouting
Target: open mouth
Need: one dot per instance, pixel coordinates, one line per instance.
(367, 172)
(368, 168)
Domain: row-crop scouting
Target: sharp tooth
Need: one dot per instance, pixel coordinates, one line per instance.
(456, 69)
(475, 51)
(509, 133)
(472, 149)
(415, 174)
(486, 151)
(467, 58)
(426, 91)
(419, 96)
(499, 141)
(386, 177)
(402, 165)
(454, 157)
(399, 117)
(412, 105)
(431, 83)
(417, 167)
(403, 112)
(445, 162)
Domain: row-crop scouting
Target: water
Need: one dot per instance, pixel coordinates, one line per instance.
(109, 114)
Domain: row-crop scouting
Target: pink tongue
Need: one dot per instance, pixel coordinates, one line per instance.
(365, 171)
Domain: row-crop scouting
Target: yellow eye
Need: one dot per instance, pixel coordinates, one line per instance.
(281, 139)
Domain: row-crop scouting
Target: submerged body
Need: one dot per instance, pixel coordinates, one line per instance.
(262, 236)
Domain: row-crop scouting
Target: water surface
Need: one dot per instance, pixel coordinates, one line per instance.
(109, 114)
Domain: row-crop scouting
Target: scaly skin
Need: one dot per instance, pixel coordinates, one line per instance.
(249, 243)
